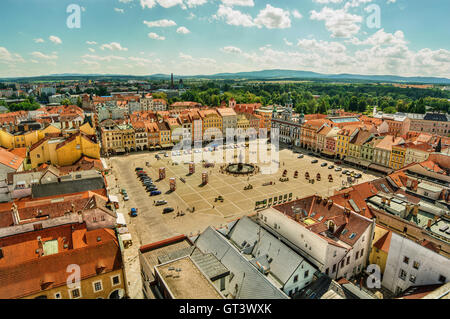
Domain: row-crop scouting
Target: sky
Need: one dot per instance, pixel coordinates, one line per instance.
(191, 37)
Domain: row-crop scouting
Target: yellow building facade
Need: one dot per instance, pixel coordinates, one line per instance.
(398, 155)
(62, 151)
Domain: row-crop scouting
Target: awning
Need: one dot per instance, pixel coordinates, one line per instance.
(357, 161)
(167, 145)
(328, 152)
(120, 150)
(120, 219)
(380, 168)
(125, 236)
(113, 198)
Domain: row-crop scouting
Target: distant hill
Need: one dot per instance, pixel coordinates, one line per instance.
(276, 74)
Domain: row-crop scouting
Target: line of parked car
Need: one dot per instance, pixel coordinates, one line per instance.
(151, 188)
(336, 169)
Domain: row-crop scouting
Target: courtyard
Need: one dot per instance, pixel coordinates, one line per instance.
(198, 202)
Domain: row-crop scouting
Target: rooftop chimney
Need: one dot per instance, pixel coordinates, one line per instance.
(15, 214)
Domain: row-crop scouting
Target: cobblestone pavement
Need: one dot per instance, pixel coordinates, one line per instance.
(151, 225)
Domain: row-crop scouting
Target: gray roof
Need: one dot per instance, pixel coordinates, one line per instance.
(209, 264)
(82, 185)
(246, 282)
(284, 260)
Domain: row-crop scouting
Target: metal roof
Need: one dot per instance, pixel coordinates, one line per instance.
(246, 281)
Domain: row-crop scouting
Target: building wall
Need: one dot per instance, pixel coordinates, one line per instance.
(6, 139)
(304, 275)
(87, 287)
(431, 265)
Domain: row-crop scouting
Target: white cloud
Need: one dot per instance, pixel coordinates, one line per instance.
(339, 22)
(39, 40)
(55, 39)
(119, 10)
(40, 55)
(155, 36)
(8, 57)
(327, 1)
(287, 42)
(235, 17)
(195, 3)
(147, 3)
(297, 14)
(244, 3)
(113, 46)
(231, 49)
(183, 30)
(125, 1)
(381, 38)
(355, 3)
(273, 18)
(160, 23)
(91, 49)
(108, 58)
(321, 46)
(169, 3)
(91, 42)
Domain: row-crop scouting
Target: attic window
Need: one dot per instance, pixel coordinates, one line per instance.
(345, 231)
(320, 218)
(352, 235)
(313, 214)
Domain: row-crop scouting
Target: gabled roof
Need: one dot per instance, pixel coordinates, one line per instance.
(9, 159)
(23, 272)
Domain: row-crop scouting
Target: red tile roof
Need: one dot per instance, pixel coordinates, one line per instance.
(24, 272)
(354, 223)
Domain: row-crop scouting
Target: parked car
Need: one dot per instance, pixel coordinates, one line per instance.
(358, 175)
(138, 169)
(314, 161)
(133, 212)
(123, 191)
(160, 202)
(338, 169)
(323, 164)
(125, 197)
(155, 193)
(345, 172)
(301, 156)
(331, 167)
(151, 188)
(349, 173)
(168, 210)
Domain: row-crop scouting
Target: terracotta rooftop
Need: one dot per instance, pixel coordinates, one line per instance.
(23, 271)
(317, 208)
(9, 159)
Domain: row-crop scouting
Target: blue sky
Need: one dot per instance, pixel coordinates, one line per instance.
(209, 36)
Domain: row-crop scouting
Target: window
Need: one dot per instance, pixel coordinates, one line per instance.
(442, 279)
(306, 274)
(334, 268)
(416, 265)
(402, 274)
(98, 286)
(348, 260)
(295, 278)
(115, 280)
(357, 255)
(412, 278)
(406, 260)
(327, 271)
(362, 252)
(75, 293)
(58, 295)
